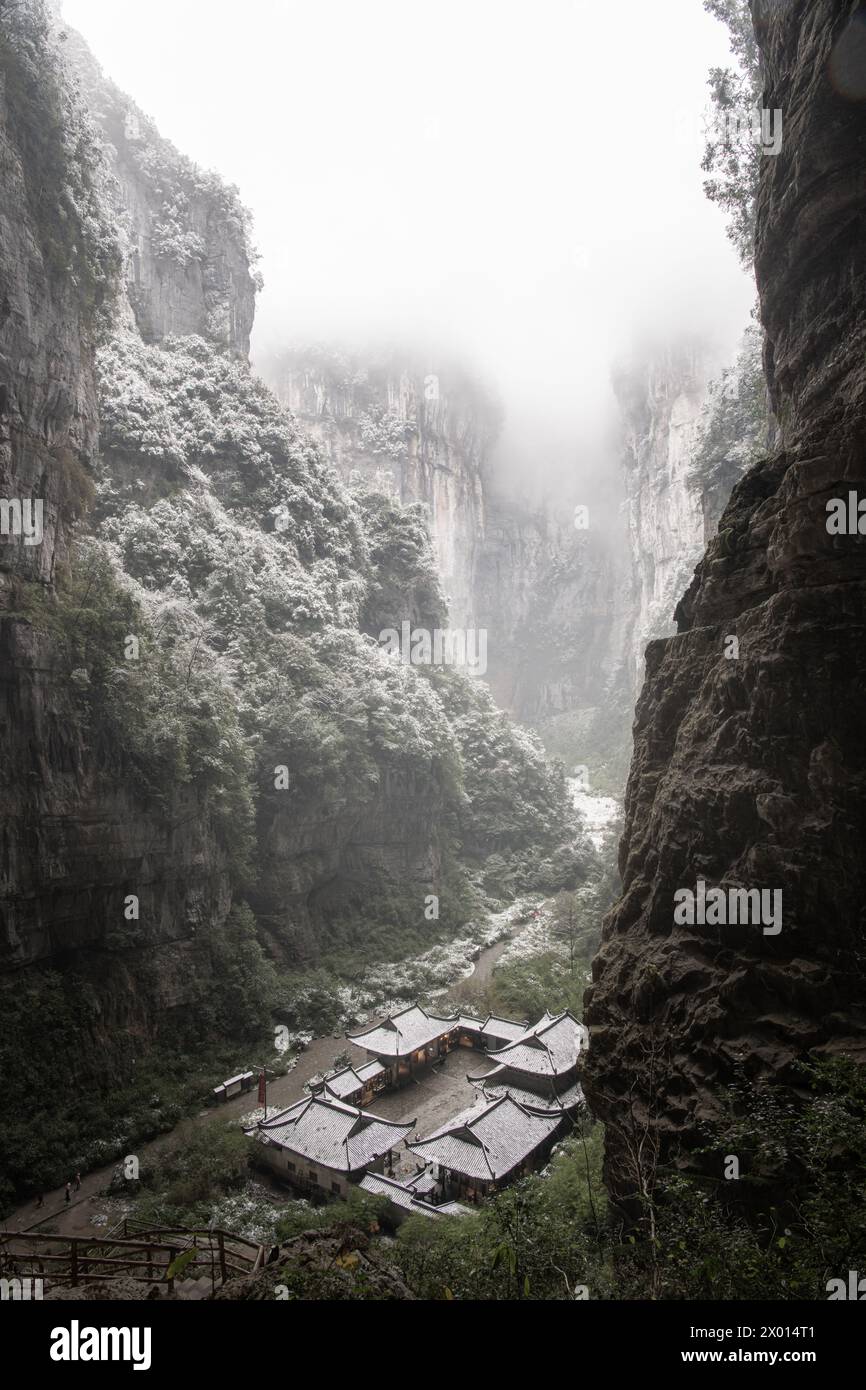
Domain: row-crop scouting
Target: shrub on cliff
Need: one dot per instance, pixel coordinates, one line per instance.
(63, 163)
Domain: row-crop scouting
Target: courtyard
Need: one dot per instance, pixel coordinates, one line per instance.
(431, 1098)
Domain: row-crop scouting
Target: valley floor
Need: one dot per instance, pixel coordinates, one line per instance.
(442, 1093)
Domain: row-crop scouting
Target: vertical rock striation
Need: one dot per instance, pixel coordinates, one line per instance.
(750, 771)
(423, 435)
(661, 395)
(78, 833)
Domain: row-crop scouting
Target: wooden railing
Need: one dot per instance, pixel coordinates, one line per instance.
(147, 1255)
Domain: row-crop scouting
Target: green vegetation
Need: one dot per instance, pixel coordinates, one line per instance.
(212, 634)
(242, 539)
(403, 581)
(62, 162)
(736, 425)
(105, 1091)
(157, 711)
(597, 737)
(537, 1240)
(697, 1237)
(732, 156)
(182, 1186)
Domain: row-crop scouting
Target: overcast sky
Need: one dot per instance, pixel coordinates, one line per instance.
(520, 181)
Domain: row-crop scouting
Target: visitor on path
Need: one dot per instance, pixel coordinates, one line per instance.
(77, 1182)
(68, 1190)
(40, 1200)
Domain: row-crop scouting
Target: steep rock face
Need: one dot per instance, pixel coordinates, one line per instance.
(188, 252)
(554, 602)
(78, 835)
(48, 413)
(557, 604)
(750, 771)
(424, 435)
(661, 396)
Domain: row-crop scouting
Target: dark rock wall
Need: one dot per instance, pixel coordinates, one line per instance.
(77, 835)
(750, 771)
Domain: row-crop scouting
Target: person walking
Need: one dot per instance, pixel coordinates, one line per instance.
(68, 1190)
(40, 1200)
(77, 1182)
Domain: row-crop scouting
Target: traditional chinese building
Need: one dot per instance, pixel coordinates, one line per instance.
(409, 1198)
(352, 1085)
(489, 1032)
(484, 1148)
(539, 1068)
(413, 1038)
(406, 1042)
(322, 1145)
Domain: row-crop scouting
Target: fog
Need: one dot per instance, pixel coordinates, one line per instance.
(516, 184)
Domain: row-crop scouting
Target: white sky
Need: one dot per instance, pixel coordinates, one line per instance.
(520, 181)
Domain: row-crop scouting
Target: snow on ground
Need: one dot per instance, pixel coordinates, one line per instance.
(398, 984)
(536, 939)
(251, 1213)
(600, 813)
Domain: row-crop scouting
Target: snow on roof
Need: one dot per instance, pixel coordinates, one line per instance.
(487, 1142)
(548, 1101)
(404, 1032)
(550, 1048)
(504, 1028)
(348, 1080)
(328, 1132)
(403, 1196)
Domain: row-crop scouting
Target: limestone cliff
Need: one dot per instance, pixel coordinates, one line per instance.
(661, 393)
(205, 750)
(189, 258)
(558, 604)
(78, 833)
(555, 602)
(424, 435)
(749, 770)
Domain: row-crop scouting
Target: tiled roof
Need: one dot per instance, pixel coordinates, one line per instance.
(403, 1196)
(550, 1048)
(328, 1132)
(546, 1101)
(504, 1028)
(403, 1033)
(487, 1142)
(348, 1080)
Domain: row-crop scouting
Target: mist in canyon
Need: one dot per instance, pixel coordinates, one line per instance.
(514, 190)
(326, 328)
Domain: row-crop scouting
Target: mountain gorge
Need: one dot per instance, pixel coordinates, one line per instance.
(214, 773)
(748, 764)
(239, 824)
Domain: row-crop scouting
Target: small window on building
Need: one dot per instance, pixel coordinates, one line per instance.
(314, 1177)
(291, 1166)
(335, 1187)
